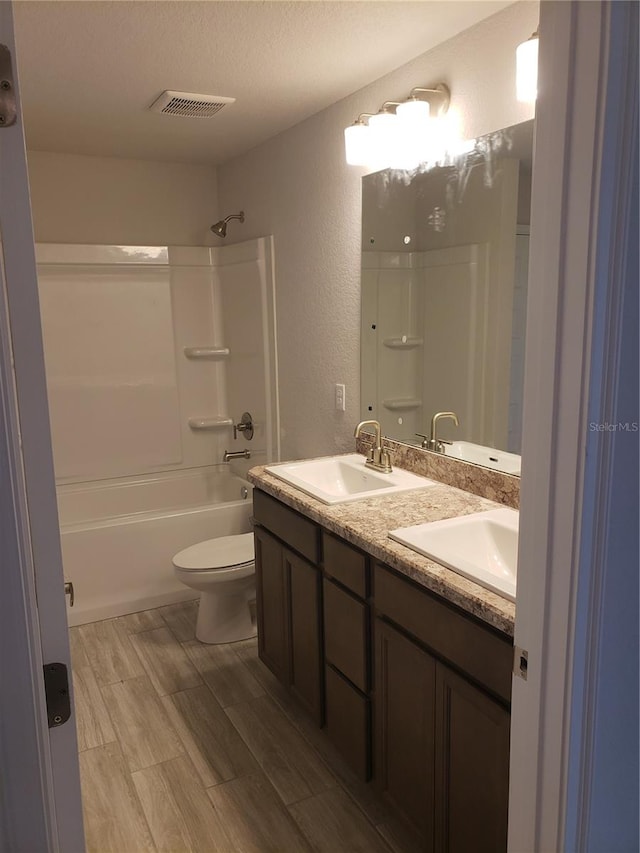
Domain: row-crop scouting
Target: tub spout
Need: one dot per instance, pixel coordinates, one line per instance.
(236, 454)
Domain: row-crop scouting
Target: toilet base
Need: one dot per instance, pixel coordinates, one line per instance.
(225, 618)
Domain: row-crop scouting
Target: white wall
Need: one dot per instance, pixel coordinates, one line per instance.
(106, 200)
(298, 187)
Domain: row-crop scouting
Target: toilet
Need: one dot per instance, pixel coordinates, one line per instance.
(223, 572)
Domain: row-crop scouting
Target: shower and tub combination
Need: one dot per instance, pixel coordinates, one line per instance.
(154, 355)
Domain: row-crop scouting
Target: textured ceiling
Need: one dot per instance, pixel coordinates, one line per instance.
(90, 69)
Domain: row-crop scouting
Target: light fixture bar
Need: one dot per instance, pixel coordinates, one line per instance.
(356, 141)
(399, 132)
(438, 98)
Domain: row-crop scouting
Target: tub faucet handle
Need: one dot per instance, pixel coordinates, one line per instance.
(245, 426)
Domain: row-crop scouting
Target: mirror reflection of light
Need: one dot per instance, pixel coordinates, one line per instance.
(461, 147)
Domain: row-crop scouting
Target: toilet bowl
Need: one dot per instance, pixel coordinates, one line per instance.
(223, 572)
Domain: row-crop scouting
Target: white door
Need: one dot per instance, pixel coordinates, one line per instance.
(40, 809)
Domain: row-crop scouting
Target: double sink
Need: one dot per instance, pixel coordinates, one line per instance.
(482, 547)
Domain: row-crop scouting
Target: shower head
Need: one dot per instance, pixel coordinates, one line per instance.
(220, 228)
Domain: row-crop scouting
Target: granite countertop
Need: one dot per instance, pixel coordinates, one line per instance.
(365, 523)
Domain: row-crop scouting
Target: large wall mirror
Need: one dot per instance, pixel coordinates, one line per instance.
(444, 294)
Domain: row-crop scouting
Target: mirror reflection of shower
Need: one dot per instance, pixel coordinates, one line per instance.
(220, 228)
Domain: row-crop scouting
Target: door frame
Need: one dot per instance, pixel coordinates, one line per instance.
(41, 807)
(582, 183)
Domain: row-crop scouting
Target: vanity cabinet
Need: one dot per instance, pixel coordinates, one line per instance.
(313, 631)
(347, 650)
(272, 605)
(405, 697)
(412, 691)
(441, 719)
(471, 767)
(288, 601)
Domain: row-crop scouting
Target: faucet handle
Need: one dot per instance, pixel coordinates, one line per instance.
(245, 426)
(425, 439)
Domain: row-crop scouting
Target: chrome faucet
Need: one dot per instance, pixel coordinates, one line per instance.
(378, 457)
(433, 442)
(236, 454)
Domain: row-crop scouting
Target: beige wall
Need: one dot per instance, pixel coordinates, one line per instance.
(105, 200)
(298, 187)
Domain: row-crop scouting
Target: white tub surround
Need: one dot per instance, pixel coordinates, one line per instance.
(152, 354)
(126, 330)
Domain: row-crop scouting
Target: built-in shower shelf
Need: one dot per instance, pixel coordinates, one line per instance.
(402, 404)
(404, 342)
(206, 352)
(209, 423)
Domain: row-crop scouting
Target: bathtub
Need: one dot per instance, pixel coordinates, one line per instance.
(118, 536)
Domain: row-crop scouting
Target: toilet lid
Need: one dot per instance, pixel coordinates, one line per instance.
(218, 553)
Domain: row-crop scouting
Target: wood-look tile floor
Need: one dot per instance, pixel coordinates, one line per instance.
(189, 747)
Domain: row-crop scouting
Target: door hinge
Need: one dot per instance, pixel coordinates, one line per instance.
(8, 109)
(520, 662)
(56, 688)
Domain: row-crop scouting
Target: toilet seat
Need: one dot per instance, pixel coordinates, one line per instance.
(223, 571)
(225, 552)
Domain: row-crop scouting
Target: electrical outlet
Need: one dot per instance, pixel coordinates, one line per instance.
(340, 398)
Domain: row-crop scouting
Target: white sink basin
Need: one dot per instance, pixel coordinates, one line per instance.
(482, 547)
(500, 460)
(337, 479)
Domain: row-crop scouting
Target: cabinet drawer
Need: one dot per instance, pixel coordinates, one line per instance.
(348, 718)
(480, 652)
(346, 564)
(297, 531)
(345, 634)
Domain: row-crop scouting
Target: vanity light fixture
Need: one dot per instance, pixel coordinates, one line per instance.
(356, 141)
(414, 114)
(527, 69)
(383, 133)
(398, 135)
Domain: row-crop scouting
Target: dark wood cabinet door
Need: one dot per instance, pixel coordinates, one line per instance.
(472, 767)
(272, 605)
(349, 722)
(306, 657)
(404, 704)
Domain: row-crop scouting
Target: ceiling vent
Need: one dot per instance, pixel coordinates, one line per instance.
(189, 104)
